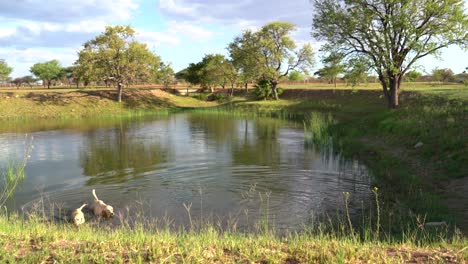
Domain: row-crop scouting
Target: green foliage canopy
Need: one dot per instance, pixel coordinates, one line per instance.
(5, 70)
(295, 76)
(29, 80)
(442, 75)
(115, 55)
(47, 71)
(214, 70)
(270, 53)
(412, 76)
(164, 75)
(333, 67)
(357, 71)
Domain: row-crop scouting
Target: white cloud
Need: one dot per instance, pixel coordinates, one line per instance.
(243, 24)
(28, 34)
(246, 12)
(88, 26)
(173, 34)
(34, 55)
(156, 38)
(23, 59)
(193, 32)
(5, 32)
(68, 11)
(179, 7)
(59, 23)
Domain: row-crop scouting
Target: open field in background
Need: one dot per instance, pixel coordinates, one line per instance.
(287, 85)
(448, 89)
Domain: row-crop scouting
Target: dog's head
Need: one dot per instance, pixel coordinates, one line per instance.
(78, 218)
(108, 211)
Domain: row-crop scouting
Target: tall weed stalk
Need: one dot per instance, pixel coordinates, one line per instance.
(14, 174)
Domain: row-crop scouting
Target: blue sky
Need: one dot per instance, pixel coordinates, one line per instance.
(180, 31)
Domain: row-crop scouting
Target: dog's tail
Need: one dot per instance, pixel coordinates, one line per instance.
(82, 206)
(94, 194)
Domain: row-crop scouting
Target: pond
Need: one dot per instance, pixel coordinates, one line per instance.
(228, 169)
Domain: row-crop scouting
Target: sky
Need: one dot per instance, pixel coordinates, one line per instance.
(180, 31)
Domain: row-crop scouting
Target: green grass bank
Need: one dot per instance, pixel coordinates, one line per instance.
(417, 154)
(89, 103)
(416, 184)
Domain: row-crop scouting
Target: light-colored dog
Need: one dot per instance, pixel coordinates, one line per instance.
(78, 216)
(100, 208)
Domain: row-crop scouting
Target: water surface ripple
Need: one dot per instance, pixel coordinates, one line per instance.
(226, 167)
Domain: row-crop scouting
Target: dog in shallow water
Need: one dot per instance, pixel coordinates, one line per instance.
(78, 216)
(100, 208)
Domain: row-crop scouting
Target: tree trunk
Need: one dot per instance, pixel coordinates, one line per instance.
(395, 82)
(274, 89)
(48, 84)
(384, 84)
(246, 87)
(334, 82)
(391, 89)
(119, 90)
(232, 89)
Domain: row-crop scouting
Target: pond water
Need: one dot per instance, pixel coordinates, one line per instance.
(228, 168)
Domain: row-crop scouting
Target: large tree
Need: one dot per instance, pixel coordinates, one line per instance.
(47, 71)
(442, 75)
(164, 75)
(85, 68)
(412, 76)
(29, 80)
(392, 34)
(333, 67)
(357, 71)
(213, 70)
(5, 70)
(115, 55)
(218, 71)
(67, 75)
(271, 54)
(240, 51)
(296, 76)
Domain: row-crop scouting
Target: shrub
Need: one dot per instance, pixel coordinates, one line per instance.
(201, 96)
(263, 90)
(220, 97)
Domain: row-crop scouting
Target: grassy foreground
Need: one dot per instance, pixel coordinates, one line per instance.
(34, 241)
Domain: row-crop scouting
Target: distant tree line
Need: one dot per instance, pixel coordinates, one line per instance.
(361, 37)
(265, 56)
